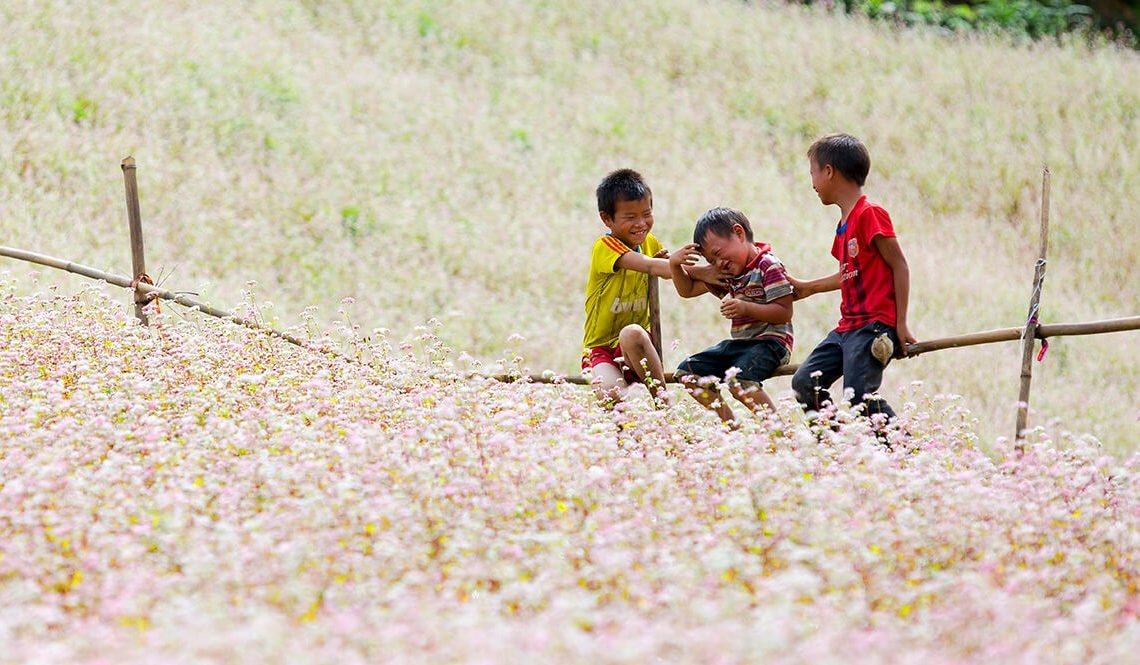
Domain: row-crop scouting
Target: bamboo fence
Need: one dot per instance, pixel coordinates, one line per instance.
(145, 291)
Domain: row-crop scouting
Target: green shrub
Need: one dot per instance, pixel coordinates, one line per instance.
(1033, 19)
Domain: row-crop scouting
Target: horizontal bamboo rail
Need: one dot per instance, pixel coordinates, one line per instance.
(939, 344)
(149, 291)
(953, 342)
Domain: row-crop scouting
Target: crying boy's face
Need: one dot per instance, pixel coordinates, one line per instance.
(729, 254)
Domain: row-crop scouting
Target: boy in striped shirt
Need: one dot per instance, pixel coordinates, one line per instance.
(757, 298)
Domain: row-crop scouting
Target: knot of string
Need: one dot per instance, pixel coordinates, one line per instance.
(145, 279)
(1035, 299)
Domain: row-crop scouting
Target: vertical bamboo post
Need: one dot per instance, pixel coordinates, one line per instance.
(138, 263)
(655, 316)
(1029, 335)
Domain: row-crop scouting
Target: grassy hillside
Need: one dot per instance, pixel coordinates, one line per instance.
(196, 493)
(437, 160)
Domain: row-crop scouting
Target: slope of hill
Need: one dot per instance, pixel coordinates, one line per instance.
(437, 159)
(194, 492)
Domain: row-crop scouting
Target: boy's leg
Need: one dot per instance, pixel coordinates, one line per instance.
(693, 373)
(862, 373)
(707, 396)
(758, 361)
(636, 346)
(753, 396)
(609, 384)
(827, 359)
(609, 380)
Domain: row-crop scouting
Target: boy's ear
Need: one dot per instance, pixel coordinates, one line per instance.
(606, 218)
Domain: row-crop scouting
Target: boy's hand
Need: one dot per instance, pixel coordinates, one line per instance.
(709, 274)
(905, 337)
(686, 257)
(799, 288)
(730, 308)
(661, 254)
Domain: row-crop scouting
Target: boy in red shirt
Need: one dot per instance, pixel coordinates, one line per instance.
(873, 280)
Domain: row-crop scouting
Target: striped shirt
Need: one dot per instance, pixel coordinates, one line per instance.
(764, 281)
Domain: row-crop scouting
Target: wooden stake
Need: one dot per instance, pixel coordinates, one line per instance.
(138, 262)
(1029, 336)
(655, 316)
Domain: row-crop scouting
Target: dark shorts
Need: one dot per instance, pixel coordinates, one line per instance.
(756, 358)
(608, 355)
(846, 354)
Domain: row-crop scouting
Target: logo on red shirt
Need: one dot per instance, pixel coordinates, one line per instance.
(852, 248)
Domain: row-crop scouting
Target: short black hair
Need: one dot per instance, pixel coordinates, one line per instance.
(621, 185)
(845, 154)
(720, 221)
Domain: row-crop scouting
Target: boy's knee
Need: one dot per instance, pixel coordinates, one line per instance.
(634, 334)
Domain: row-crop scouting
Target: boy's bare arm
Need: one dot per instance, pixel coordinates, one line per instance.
(777, 311)
(686, 286)
(641, 263)
(892, 253)
(802, 288)
(709, 274)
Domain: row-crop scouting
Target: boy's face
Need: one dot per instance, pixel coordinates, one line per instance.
(632, 221)
(822, 181)
(730, 254)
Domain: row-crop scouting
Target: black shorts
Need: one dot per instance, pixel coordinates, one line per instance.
(756, 358)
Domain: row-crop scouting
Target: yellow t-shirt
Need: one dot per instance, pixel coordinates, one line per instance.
(615, 298)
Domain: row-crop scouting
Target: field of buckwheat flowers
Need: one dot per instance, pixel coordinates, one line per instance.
(198, 492)
(437, 159)
(408, 187)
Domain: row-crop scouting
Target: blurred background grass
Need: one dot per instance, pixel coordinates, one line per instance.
(438, 159)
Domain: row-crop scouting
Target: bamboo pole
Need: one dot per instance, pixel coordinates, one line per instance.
(1029, 338)
(1088, 328)
(969, 339)
(138, 262)
(655, 315)
(953, 342)
(913, 350)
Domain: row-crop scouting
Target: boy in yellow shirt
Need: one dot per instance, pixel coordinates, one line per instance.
(617, 347)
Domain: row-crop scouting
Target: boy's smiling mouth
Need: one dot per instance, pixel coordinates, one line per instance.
(636, 237)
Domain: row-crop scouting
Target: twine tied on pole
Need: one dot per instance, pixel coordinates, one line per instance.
(1033, 322)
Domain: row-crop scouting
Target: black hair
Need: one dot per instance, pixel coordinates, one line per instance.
(845, 154)
(621, 185)
(720, 221)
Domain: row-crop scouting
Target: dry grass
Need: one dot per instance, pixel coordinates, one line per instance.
(438, 159)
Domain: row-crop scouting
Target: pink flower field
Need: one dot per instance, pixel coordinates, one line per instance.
(198, 492)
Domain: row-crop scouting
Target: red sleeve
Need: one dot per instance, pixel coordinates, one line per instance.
(876, 222)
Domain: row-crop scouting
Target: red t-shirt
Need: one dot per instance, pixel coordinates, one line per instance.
(866, 282)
